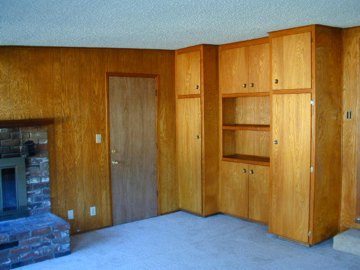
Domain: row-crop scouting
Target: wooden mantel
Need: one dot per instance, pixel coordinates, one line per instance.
(26, 122)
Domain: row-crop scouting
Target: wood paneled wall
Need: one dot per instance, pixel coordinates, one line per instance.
(351, 128)
(69, 85)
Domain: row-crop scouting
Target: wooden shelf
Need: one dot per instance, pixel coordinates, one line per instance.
(26, 122)
(247, 127)
(251, 94)
(257, 160)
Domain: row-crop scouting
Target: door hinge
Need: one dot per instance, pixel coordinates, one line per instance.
(311, 168)
(312, 102)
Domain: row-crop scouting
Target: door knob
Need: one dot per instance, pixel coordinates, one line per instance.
(276, 141)
(114, 162)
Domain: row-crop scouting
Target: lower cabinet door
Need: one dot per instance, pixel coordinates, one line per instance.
(234, 189)
(259, 186)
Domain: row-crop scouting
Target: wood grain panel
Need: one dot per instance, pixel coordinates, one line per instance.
(246, 142)
(290, 166)
(246, 110)
(234, 189)
(259, 68)
(188, 151)
(350, 128)
(259, 189)
(210, 125)
(291, 61)
(327, 185)
(187, 72)
(233, 70)
(69, 85)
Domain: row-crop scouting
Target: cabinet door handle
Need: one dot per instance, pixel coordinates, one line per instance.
(252, 84)
(244, 170)
(198, 137)
(197, 87)
(276, 142)
(244, 85)
(251, 171)
(276, 81)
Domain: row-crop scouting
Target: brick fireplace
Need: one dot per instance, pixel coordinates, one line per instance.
(29, 233)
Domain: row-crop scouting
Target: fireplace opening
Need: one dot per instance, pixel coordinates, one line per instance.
(13, 197)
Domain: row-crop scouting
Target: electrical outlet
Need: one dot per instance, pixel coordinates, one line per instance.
(70, 214)
(98, 138)
(92, 210)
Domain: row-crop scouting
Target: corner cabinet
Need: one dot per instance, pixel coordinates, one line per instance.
(306, 133)
(244, 82)
(197, 120)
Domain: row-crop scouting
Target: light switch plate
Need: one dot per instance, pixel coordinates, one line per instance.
(98, 138)
(70, 214)
(92, 210)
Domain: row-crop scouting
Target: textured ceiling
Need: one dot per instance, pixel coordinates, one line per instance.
(161, 24)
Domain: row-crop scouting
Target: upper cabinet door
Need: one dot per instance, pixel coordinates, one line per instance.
(291, 61)
(259, 68)
(234, 70)
(188, 73)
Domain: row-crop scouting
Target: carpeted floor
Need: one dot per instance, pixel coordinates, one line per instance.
(184, 241)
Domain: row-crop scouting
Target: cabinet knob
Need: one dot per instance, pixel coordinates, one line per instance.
(251, 171)
(244, 170)
(198, 137)
(276, 81)
(244, 85)
(252, 84)
(197, 87)
(276, 142)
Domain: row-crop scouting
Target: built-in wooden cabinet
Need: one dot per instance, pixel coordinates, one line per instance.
(197, 120)
(306, 133)
(188, 73)
(244, 67)
(245, 129)
(291, 61)
(244, 190)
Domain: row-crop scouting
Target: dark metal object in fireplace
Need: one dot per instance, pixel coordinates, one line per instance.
(13, 197)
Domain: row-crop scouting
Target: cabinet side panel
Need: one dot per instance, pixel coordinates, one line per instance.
(327, 185)
(350, 133)
(210, 130)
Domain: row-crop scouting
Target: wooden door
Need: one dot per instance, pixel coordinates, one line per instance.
(132, 114)
(233, 70)
(188, 73)
(188, 151)
(259, 189)
(259, 68)
(290, 166)
(234, 189)
(291, 61)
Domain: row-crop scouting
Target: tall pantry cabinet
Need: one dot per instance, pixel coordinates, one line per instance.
(197, 141)
(306, 133)
(244, 70)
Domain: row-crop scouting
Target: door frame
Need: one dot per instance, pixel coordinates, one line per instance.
(156, 77)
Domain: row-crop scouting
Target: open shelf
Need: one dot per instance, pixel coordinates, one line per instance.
(247, 127)
(249, 159)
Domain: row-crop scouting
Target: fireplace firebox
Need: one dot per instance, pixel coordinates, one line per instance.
(13, 196)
